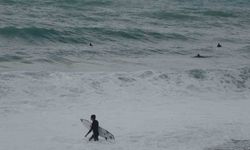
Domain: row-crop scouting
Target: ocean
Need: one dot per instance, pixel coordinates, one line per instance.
(57, 33)
(133, 64)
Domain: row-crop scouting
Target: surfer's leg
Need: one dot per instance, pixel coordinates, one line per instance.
(91, 137)
(96, 137)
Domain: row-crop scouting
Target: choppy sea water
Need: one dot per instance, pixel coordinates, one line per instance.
(58, 32)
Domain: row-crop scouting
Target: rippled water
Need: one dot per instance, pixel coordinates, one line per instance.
(55, 31)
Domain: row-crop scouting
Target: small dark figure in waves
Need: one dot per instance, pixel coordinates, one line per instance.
(219, 45)
(200, 56)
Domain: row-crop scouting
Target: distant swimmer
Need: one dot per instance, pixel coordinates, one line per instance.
(199, 56)
(90, 44)
(219, 45)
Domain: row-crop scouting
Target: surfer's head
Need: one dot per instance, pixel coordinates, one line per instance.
(92, 117)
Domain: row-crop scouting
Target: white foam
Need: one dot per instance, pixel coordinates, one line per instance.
(191, 109)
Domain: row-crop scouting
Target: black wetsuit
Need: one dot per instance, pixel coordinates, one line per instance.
(94, 128)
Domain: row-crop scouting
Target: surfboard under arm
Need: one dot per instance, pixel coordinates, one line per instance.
(102, 132)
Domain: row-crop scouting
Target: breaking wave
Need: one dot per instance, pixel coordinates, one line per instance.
(77, 84)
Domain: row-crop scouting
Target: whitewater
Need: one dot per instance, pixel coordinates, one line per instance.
(139, 77)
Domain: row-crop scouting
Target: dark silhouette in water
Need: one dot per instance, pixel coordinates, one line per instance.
(201, 56)
(219, 45)
(94, 128)
(90, 44)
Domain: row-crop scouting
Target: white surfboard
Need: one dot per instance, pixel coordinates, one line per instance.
(102, 132)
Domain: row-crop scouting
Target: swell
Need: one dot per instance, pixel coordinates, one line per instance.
(22, 32)
(62, 3)
(85, 34)
(218, 13)
(170, 16)
(38, 35)
(84, 2)
(136, 34)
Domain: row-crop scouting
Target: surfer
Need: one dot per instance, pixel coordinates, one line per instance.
(94, 128)
(198, 56)
(219, 45)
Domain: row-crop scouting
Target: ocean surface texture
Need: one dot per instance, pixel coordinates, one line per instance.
(130, 62)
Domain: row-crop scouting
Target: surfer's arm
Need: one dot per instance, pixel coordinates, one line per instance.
(89, 130)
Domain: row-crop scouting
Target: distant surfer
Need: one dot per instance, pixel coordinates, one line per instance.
(199, 56)
(219, 45)
(90, 44)
(94, 128)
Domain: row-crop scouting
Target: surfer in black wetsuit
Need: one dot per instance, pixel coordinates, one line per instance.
(94, 128)
(219, 45)
(198, 56)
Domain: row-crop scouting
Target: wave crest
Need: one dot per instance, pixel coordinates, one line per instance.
(85, 34)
